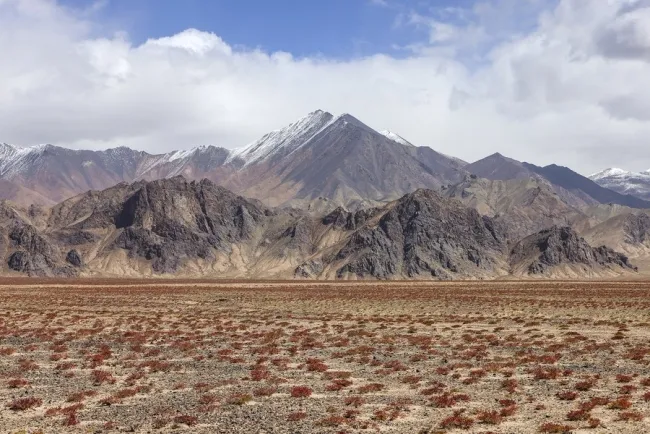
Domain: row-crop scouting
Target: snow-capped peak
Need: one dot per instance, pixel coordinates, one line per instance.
(285, 140)
(12, 158)
(608, 173)
(395, 137)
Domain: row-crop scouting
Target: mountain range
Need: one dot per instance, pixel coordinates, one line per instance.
(619, 180)
(324, 197)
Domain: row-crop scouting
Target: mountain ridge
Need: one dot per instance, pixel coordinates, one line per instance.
(175, 227)
(271, 168)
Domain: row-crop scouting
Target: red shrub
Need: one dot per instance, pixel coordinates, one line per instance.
(510, 385)
(355, 401)
(457, 420)
(584, 386)
(25, 404)
(101, 377)
(623, 378)
(634, 416)
(555, 428)
(578, 415)
(265, 391)
(17, 383)
(369, 388)
(490, 417)
(186, 420)
(566, 395)
(294, 417)
(71, 420)
(621, 403)
(300, 392)
(260, 373)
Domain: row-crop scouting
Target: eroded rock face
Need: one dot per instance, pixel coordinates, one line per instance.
(637, 228)
(347, 220)
(562, 245)
(169, 220)
(34, 254)
(424, 235)
(175, 226)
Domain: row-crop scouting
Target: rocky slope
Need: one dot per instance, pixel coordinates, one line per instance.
(422, 235)
(523, 205)
(175, 227)
(561, 252)
(26, 250)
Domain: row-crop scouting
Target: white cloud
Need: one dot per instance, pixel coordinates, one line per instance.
(572, 89)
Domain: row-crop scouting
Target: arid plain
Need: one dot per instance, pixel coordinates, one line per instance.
(288, 357)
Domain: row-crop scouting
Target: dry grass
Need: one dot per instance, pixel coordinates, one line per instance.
(164, 356)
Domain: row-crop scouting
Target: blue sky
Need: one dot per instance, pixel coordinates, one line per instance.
(332, 28)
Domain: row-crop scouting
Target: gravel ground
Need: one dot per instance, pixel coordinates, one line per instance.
(302, 357)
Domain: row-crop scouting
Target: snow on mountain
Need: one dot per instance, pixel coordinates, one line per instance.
(14, 159)
(296, 150)
(612, 171)
(625, 182)
(283, 141)
(395, 137)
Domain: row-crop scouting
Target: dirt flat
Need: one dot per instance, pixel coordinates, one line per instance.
(301, 357)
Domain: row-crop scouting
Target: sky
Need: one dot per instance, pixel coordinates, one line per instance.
(543, 81)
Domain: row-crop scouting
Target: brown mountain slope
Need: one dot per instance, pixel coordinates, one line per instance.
(21, 195)
(523, 205)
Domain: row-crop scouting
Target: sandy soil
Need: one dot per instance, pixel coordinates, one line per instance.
(299, 357)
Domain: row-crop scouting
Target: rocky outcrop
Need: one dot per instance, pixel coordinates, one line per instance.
(74, 258)
(349, 221)
(33, 254)
(197, 228)
(423, 235)
(558, 246)
(637, 228)
(168, 221)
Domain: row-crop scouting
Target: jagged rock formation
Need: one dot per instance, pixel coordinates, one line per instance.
(33, 254)
(175, 227)
(560, 251)
(421, 235)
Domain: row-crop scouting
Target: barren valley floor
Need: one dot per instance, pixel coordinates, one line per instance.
(300, 357)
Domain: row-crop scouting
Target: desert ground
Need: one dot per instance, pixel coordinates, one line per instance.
(301, 357)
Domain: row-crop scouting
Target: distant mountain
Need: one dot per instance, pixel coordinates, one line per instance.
(574, 188)
(624, 182)
(574, 182)
(339, 158)
(319, 158)
(524, 205)
(499, 168)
